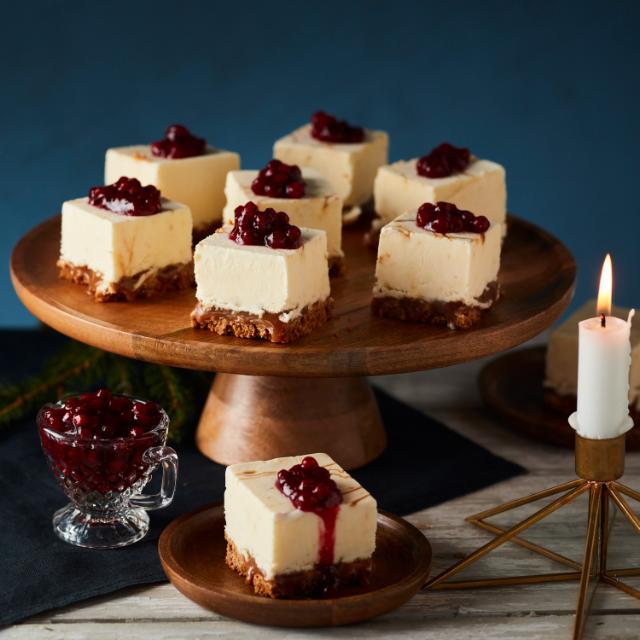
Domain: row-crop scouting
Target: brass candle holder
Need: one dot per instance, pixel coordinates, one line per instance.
(599, 464)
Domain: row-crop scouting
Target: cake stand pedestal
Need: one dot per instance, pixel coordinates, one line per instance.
(270, 400)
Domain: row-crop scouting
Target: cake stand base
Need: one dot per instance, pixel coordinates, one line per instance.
(261, 417)
(599, 464)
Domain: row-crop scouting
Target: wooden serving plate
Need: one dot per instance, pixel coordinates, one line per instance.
(512, 387)
(192, 552)
(295, 398)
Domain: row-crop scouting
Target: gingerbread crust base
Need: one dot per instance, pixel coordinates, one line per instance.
(455, 315)
(141, 285)
(317, 582)
(267, 327)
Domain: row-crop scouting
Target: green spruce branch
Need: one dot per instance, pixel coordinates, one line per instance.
(78, 367)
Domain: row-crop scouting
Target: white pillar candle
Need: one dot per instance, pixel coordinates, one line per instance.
(604, 359)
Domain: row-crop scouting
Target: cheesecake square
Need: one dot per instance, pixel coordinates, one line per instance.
(443, 278)
(287, 542)
(561, 364)
(480, 188)
(197, 181)
(124, 257)
(257, 291)
(319, 208)
(349, 167)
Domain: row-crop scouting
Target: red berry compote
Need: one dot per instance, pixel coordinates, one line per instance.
(178, 142)
(443, 161)
(127, 197)
(269, 228)
(279, 180)
(445, 217)
(328, 128)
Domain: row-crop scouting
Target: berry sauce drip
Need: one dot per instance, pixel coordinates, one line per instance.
(178, 142)
(127, 197)
(328, 128)
(443, 161)
(444, 217)
(279, 180)
(310, 488)
(270, 228)
(95, 442)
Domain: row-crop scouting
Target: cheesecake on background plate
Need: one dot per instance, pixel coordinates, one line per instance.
(347, 156)
(126, 241)
(446, 174)
(302, 193)
(561, 376)
(298, 526)
(184, 168)
(438, 266)
(263, 278)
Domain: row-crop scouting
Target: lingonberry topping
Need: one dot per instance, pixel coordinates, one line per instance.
(102, 415)
(443, 161)
(270, 228)
(445, 217)
(127, 197)
(328, 128)
(279, 180)
(178, 142)
(309, 486)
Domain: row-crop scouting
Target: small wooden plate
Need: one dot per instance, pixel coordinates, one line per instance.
(512, 387)
(192, 551)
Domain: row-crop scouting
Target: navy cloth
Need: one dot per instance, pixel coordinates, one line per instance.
(425, 463)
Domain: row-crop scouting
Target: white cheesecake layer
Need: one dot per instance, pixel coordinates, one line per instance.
(197, 181)
(263, 524)
(562, 353)
(481, 189)
(321, 208)
(118, 246)
(350, 168)
(258, 279)
(416, 263)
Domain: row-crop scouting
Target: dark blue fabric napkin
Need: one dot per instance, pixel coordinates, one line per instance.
(425, 463)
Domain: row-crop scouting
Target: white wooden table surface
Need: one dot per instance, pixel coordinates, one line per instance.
(535, 612)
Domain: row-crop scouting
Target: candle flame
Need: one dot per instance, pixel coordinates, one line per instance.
(606, 286)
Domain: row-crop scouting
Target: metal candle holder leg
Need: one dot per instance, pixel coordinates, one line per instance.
(599, 464)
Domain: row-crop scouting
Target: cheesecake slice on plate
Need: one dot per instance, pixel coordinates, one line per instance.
(302, 193)
(347, 156)
(262, 278)
(184, 168)
(298, 526)
(438, 266)
(126, 241)
(445, 174)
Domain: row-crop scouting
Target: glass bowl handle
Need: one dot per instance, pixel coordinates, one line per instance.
(168, 458)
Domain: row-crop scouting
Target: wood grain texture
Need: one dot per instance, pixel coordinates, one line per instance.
(512, 387)
(192, 552)
(537, 277)
(160, 612)
(263, 417)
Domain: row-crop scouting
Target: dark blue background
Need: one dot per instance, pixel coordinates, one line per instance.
(550, 89)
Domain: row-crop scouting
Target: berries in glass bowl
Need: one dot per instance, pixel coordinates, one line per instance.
(279, 180)
(103, 448)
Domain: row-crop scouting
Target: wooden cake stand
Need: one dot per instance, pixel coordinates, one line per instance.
(271, 400)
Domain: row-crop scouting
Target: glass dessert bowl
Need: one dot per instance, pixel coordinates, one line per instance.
(103, 449)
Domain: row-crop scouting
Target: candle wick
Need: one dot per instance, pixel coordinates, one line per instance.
(603, 320)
